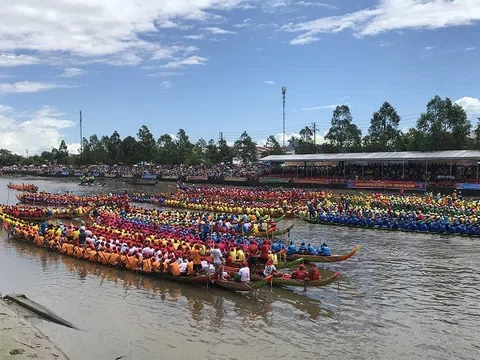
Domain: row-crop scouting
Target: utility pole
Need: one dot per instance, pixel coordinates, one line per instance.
(81, 135)
(221, 137)
(284, 93)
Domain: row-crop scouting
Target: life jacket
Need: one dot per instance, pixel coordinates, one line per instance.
(147, 265)
(190, 268)
(113, 259)
(70, 249)
(175, 268)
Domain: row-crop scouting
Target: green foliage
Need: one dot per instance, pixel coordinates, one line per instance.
(445, 126)
(343, 135)
(273, 146)
(146, 146)
(383, 134)
(245, 149)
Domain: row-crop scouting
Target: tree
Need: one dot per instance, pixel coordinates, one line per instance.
(445, 126)
(305, 145)
(212, 154)
(383, 132)
(343, 135)
(167, 150)
(197, 154)
(146, 144)
(273, 146)
(184, 145)
(114, 148)
(245, 148)
(62, 154)
(129, 149)
(225, 153)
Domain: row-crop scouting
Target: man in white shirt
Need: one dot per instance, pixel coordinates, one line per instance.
(216, 255)
(244, 273)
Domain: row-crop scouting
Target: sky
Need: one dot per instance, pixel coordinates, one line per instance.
(211, 66)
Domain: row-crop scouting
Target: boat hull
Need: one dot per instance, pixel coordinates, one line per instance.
(324, 259)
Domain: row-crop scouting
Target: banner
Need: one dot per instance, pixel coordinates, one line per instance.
(149, 176)
(197, 178)
(110, 175)
(236, 178)
(170, 177)
(273, 181)
(64, 173)
(77, 173)
(129, 176)
(313, 181)
(393, 185)
(467, 186)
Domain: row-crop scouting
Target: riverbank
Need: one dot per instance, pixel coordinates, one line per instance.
(21, 340)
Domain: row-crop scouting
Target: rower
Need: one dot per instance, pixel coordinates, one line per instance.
(244, 273)
(269, 268)
(276, 246)
(303, 249)
(291, 249)
(325, 250)
(300, 274)
(311, 250)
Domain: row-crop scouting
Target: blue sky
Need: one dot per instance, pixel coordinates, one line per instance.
(218, 65)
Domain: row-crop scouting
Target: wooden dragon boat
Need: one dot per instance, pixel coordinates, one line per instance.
(286, 280)
(324, 259)
(238, 286)
(23, 187)
(376, 227)
(272, 233)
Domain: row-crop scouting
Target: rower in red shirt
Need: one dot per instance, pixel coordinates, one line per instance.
(252, 254)
(301, 273)
(264, 252)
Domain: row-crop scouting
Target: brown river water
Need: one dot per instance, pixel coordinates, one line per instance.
(403, 296)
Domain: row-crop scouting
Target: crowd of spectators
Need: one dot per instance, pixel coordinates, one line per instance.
(431, 172)
(214, 172)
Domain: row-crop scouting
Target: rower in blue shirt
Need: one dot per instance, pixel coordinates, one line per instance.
(302, 249)
(325, 250)
(311, 250)
(276, 246)
(291, 249)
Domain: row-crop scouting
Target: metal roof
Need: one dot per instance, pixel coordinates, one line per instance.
(380, 156)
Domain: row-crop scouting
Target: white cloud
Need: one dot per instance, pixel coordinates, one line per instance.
(317, 4)
(469, 104)
(11, 60)
(428, 48)
(319, 107)
(391, 15)
(245, 23)
(194, 37)
(165, 74)
(72, 72)
(303, 40)
(218, 31)
(39, 133)
(25, 87)
(109, 31)
(271, 82)
(192, 60)
(166, 84)
(471, 48)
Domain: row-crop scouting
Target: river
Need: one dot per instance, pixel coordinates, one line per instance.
(402, 296)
